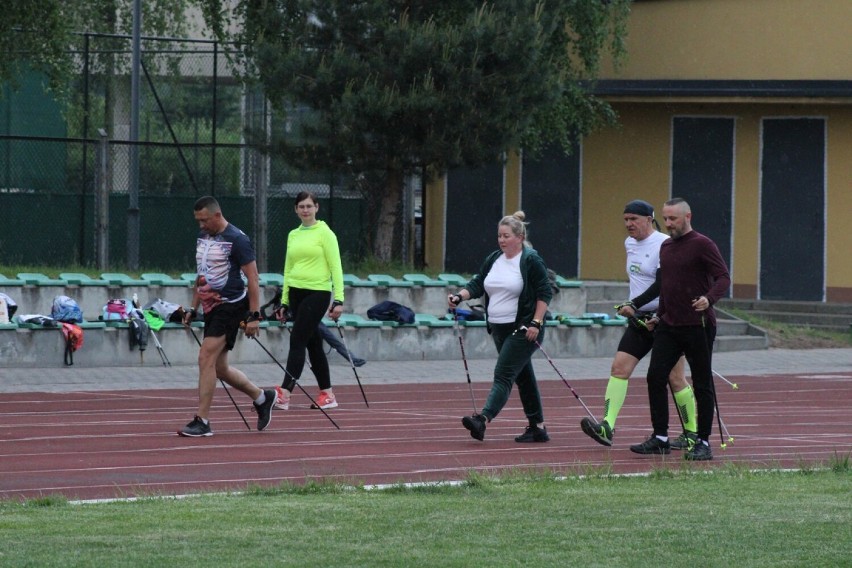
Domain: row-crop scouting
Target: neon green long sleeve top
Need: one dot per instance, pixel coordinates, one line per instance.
(313, 261)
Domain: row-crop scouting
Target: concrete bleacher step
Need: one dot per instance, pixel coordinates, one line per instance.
(732, 334)
(829, 316)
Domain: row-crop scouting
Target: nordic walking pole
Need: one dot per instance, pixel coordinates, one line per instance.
(351, 362)
(723, 445)
(301, 388)
(464, 358)
(733, 385)
(558, 372)
(228, 392)
(166, 362)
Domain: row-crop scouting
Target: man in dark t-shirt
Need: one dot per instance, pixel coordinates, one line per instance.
(693, 277)
(223, 255)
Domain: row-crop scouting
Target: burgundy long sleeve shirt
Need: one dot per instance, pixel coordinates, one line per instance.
(691, 266)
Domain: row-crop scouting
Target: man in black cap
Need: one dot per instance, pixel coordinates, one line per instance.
(693, 277)
(643, 254)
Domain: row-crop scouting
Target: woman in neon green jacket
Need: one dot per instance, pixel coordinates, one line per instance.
(313, 286)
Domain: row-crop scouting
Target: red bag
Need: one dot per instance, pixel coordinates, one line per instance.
(73, 340)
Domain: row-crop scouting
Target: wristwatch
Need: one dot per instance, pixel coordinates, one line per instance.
(253, 316)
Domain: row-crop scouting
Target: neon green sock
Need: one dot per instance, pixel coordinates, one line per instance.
(616, 392)
(685, 400)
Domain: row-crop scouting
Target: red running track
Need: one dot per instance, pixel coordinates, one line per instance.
(92, 445)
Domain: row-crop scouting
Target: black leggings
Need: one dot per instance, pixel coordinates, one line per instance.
(308, 308)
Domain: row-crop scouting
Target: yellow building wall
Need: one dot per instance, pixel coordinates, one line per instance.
(435, 203)
(619, 165)
(633, 161)
(738, 39)
(839, 206)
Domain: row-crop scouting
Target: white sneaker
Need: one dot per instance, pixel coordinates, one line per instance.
(282, 399)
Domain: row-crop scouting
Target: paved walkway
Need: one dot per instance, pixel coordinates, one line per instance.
(451, 370)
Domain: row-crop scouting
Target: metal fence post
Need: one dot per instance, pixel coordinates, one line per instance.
(102, 186)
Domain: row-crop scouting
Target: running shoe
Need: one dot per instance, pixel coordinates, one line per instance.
(683, 442)
(264, 411)
(476, 425)
(600, 432)
(282, 399)
(196, 429)
(699, 452)
(652, 445)
(325, 400)
(358, 362)
(533, 434)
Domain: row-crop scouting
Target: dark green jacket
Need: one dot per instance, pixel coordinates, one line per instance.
(536, 284)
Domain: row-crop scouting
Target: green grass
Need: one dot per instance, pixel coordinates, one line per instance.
(728, 517)
(795, 336)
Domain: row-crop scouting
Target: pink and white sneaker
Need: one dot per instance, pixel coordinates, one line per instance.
(325, 400)
(282, 399)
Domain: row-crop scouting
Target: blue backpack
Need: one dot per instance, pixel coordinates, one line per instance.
(66, 309)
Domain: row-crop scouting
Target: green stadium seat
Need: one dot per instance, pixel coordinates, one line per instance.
(189, 277)
(10, 325)
(565, 283)
(39, 279)
(615, 321)
(80, 279)
(429, 320)
(161, 279)
(121, 279)
(596, 317)
(92, 325)
(271, 279)
(389, 281)
(470, 323)
(354, 320)
(453, 279)
(352, 280)
(423, 280)
(4, 281)
(577, 322)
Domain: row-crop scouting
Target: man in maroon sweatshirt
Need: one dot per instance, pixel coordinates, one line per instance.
(693, 277)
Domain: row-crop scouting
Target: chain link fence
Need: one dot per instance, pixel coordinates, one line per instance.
(67, 173)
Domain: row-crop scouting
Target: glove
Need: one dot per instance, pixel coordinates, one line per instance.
(281, 313)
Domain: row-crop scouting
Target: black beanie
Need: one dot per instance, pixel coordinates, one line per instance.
(639, 207)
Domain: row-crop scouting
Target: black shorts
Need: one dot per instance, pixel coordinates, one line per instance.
(225, 320)
(636, 342)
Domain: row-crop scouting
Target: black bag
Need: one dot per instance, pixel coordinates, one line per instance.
(391, 311)
(138, 333)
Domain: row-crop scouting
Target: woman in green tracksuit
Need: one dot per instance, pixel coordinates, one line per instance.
(514, 284)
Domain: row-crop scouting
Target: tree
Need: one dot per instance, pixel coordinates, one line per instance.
(40, 34)
(397, 87)
(34, 34)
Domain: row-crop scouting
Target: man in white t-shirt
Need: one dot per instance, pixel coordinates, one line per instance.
(642, 246)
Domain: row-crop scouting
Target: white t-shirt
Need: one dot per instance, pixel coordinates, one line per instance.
(643, 260)
(504, 284)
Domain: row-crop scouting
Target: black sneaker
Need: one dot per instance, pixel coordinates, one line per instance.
(533, 434)
(264, 411)
(476, 425)
(683, 442)
(699, 452)
(196, 429)
(600, 432)
(652, 445)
